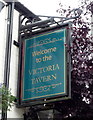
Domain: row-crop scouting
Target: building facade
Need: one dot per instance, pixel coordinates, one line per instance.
(13, 76)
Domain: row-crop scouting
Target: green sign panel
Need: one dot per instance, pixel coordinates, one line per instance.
(44, 74)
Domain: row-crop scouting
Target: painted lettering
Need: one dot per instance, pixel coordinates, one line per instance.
(44, 69)
(43, 79)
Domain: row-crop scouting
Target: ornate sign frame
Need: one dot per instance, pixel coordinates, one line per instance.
(45, 66)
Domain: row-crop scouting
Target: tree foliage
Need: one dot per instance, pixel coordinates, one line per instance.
(6, 98)
(81, 103)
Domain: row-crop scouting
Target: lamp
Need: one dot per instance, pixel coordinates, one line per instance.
(1, 5)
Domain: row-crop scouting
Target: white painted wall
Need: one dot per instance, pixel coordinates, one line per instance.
(2, 47)
(15, 112)
(2, 43)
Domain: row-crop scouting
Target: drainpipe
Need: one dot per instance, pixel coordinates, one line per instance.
(8, 43)
(8, 49)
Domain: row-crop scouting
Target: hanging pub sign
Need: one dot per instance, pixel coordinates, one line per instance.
(45, 67)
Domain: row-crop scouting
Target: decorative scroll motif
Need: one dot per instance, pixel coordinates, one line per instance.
(24, 21)
(44, 88)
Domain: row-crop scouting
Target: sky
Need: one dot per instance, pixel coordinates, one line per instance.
(47, 7)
